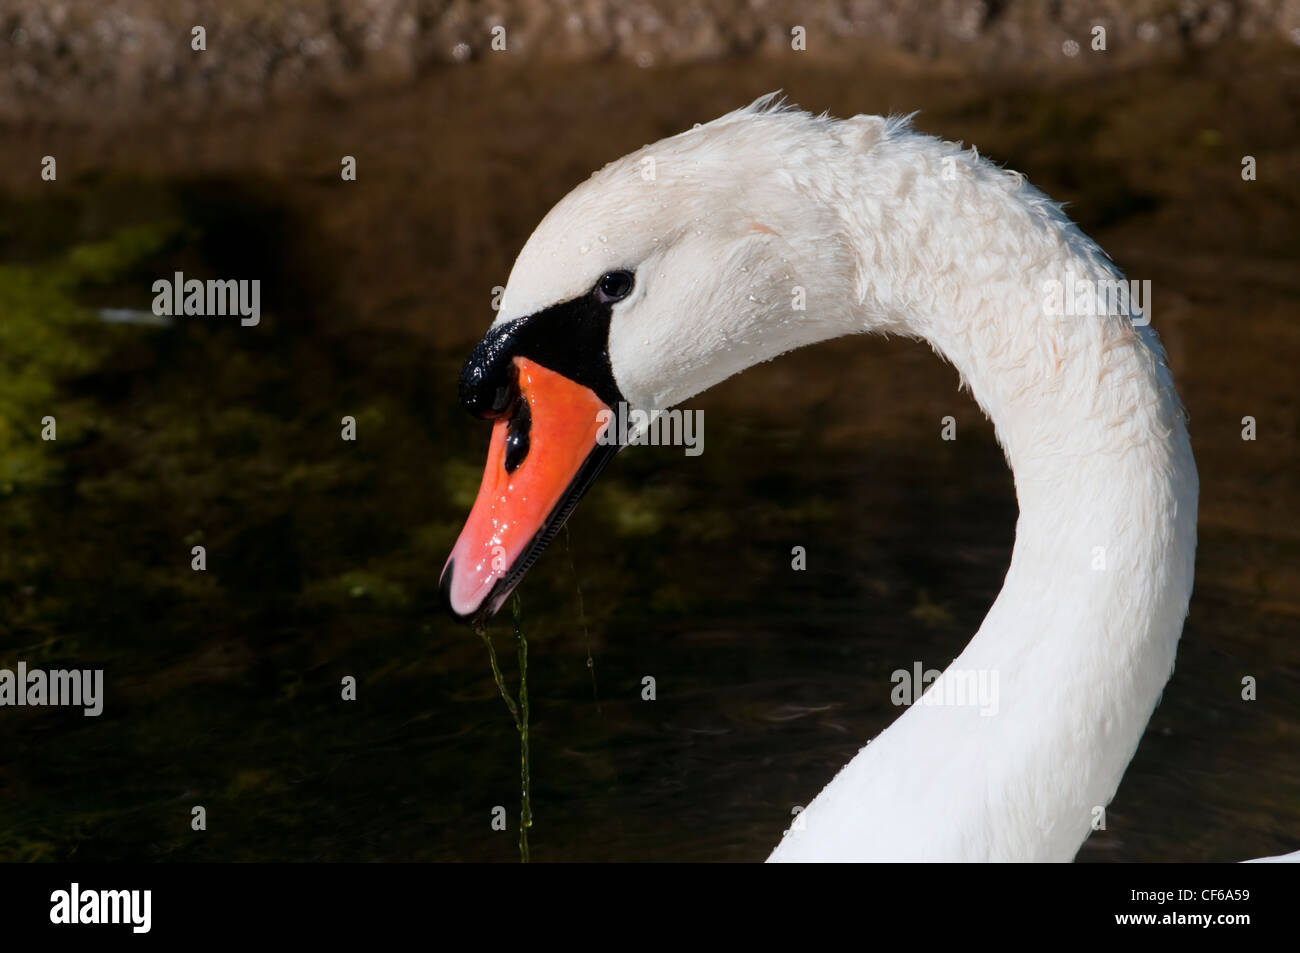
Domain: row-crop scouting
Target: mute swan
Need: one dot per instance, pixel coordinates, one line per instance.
(681, 264)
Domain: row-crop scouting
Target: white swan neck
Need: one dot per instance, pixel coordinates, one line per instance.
(1081, 639)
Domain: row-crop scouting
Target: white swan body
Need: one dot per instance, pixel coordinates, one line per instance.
(883, 229)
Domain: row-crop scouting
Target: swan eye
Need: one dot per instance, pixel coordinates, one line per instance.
(614, 286)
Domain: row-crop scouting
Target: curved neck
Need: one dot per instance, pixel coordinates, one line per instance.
(1081, 639)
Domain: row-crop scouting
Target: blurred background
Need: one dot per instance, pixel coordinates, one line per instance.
(223, 687)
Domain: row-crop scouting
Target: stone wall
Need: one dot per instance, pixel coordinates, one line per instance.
(91, 58)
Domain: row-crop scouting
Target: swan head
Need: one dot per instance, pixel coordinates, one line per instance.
(666, 272)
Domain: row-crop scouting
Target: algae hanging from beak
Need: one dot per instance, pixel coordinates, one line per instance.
(525, 779)
(519, 712)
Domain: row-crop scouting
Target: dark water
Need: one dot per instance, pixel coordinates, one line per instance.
(224, 686)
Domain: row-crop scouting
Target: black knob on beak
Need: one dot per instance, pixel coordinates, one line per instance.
(488, 382)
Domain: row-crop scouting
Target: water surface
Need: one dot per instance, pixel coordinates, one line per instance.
(323, 556)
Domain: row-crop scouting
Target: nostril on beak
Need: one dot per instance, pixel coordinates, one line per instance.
(517, 442)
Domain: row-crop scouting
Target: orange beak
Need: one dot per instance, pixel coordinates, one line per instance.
(543, 455)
